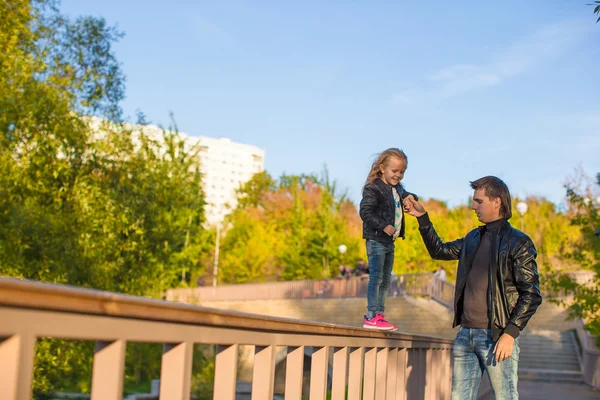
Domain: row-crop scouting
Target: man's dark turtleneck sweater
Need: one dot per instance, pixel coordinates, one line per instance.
(475, 299)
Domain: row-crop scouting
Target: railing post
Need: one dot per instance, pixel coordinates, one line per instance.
(176, 371)
(294, 371)
(401, 373)
(355, 376)
(429, 378)
(340, 367)
(447, 374)
(16, 367)
(108, 369)
(392, 373)
(225, 372)
(263, 374)
(318, 373)
(369, 374)
(381, 373)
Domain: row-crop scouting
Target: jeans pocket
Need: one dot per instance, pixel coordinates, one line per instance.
(369, 247)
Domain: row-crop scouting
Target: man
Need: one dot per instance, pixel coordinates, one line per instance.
(497, 290)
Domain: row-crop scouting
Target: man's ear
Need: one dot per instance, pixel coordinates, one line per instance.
(497, 203)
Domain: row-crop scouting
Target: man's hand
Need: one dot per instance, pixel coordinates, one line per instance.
(504, 347)
(389, 230)
(413, 207)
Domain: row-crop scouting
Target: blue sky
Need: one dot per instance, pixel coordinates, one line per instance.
(467, 89)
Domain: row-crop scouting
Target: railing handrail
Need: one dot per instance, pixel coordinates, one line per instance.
(590, 357)
(356, 286)
(24, 294)
(258, 284)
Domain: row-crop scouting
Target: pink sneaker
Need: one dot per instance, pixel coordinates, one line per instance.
(377, 322)
(383, 321)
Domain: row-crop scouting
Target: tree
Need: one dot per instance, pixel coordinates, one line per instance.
(583, 298)
(597, 9)
(289, 229)
(86, 201)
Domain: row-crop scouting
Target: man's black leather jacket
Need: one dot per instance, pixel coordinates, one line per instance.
(513, 278)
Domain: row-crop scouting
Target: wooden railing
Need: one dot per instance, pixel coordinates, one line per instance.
(424, 284)
(590, 356)
(366, 364)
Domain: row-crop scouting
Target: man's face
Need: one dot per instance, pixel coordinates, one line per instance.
(487, 210)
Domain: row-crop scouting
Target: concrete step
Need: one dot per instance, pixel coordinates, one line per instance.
(555, 391)
(547, 375)
(564, 355)
(547, 364)
(542, 366)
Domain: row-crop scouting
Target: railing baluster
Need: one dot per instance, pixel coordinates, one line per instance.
(439, 368)
(318, 373)
(422, 368)
(263, 374)
(225, 372)
(355, 377)
(412, 373)
(294, 373)
(107, 374)
(381, 373)
(369, 374)
(16, 367)
(340, 368)
(447, 373)
(392, 372)
(429, 378)
(401, 373)
(176, 371)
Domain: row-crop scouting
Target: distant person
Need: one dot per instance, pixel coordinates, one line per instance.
(327, 289)
(497, 290)
(361, 267)
(342, 272)
(348, 272)
(383, 222)
(401, 285)
(440, 273)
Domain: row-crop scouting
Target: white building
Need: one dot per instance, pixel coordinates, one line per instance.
(225, 166)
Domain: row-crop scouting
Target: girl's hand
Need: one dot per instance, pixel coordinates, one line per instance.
(389, 230)
(413, 207)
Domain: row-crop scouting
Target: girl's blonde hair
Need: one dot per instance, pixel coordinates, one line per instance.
(384, 158)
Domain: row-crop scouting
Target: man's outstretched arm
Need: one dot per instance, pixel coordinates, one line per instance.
(437, 248)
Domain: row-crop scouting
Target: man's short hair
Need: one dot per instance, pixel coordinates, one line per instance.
(494, 188)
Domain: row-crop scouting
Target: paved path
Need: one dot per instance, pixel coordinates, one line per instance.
(552, 391)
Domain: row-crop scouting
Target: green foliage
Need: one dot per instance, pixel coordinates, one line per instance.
(288, 229)
(596, 9)
(85, 201)
(291, 229)
(583, 298)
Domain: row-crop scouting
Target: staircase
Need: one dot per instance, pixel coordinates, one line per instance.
(411, 315)
(549, 351)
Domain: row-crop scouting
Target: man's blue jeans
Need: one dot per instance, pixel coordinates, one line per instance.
(381, 260)
(472, 355)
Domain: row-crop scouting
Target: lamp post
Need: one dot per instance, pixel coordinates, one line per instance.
(522, 209)
(216, 264)
(342, 249)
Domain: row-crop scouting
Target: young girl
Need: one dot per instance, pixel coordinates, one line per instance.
(383, 222)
